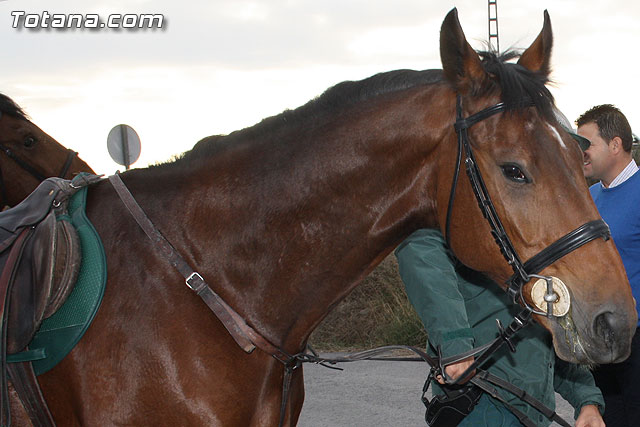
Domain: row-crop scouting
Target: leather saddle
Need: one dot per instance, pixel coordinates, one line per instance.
(40, 256)
(45, 262)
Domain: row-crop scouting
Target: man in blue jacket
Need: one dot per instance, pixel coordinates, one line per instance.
(617, 197)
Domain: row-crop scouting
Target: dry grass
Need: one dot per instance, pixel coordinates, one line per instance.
(376, 313)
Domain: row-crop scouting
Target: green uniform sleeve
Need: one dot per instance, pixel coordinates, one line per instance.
(576, 384)
(430, 278)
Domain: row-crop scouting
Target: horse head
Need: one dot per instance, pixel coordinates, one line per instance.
(532, 170)
(28, 155)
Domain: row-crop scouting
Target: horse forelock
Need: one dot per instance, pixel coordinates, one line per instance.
(515, 83)
(8, 106)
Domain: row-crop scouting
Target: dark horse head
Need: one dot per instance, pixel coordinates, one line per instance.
(28, 155)
(285, 218)
(534, 170)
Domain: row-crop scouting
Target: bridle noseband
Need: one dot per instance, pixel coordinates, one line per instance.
(522, 272)
(30, 169)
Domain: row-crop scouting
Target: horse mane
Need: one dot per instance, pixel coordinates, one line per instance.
(511, 80)
(330, 102)
(9, 107)
(352, 92)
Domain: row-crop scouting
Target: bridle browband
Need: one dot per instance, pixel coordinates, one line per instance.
(30, 169)
(522, 272)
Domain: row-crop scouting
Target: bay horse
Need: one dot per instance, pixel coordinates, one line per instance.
(28, 155)
(285, 218)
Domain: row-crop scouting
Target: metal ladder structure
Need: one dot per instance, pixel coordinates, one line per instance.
(493, 26)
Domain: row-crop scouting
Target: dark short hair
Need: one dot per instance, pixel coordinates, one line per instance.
(611, 123)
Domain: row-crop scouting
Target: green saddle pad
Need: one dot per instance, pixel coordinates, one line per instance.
(61, 332)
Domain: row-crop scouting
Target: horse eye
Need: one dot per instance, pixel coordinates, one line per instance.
(29, 142)
(514, 173)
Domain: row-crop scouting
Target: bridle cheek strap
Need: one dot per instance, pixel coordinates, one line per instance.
(67, 164)
(24, 165)
(30, 169)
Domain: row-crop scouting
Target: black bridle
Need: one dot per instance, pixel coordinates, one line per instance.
(29, 169)
(522, 272)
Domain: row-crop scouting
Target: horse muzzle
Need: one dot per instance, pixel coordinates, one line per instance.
(594, 336)
(610, 329)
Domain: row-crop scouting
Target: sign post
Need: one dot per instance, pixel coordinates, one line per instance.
(124, 145)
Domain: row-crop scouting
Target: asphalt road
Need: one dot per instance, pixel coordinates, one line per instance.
(372, 393)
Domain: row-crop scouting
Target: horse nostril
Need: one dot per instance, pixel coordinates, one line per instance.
(605, 326)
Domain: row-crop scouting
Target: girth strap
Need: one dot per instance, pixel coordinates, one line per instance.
(8, 270)
(26, 385)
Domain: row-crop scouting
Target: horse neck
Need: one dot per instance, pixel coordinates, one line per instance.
(78, 165)
(296, 224)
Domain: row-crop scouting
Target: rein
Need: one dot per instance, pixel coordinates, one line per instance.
(483, 379)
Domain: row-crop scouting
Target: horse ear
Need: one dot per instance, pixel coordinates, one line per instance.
(537, 57)
(460, 63)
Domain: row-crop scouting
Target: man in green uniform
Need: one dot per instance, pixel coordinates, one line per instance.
(459, 308)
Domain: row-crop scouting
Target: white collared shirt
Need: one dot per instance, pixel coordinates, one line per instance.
(626, 173)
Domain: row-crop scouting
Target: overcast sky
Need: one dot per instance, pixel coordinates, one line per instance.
(218, 66)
